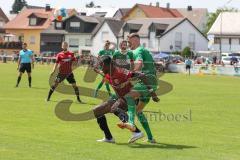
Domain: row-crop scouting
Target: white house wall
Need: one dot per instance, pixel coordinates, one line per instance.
(82, 41)
(201, 43)
(98, 41)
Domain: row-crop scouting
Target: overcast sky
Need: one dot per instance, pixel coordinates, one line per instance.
(210, 4)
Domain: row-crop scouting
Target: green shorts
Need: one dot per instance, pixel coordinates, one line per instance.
(142, 88)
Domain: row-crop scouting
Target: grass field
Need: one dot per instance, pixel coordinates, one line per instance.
(29, 128)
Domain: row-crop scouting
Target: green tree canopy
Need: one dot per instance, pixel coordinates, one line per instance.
(17, 6)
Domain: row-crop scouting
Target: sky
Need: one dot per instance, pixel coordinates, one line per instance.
(212, 5)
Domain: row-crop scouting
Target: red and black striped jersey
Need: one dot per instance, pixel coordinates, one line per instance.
(65, 59)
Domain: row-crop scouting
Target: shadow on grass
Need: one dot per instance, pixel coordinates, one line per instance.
(158, 145)
(40, 88)
(87, 103)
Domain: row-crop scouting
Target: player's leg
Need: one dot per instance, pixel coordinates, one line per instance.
(72, 81)
(108, 88)
(110, 106)
(59, 79)
(98, 88)
(99, 113)
(29, 70)
(29, 79)
(143, 101)
(102, 123)
(21, 71)
(19, 78)
(143, 120)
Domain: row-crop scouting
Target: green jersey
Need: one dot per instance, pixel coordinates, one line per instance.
(123, 59)
(142, 54)
(105, 53)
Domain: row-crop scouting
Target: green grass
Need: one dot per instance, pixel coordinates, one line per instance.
(29, 128)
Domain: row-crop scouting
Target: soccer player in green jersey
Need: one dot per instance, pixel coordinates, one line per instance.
(124, 58)
(105, 52)
(144, 62)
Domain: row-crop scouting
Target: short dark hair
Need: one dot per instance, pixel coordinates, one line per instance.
(106, 60)
(24, 43)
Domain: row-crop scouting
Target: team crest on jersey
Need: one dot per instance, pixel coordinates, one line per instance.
(66, 60)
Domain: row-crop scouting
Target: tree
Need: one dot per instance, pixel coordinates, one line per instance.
(186, 52)
(17, 6)
(92, 5)
(213, 16)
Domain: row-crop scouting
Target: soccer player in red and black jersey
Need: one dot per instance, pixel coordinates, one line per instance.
(65, 61)
(120, 80)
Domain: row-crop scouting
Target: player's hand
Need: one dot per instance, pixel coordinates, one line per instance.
(155, 97)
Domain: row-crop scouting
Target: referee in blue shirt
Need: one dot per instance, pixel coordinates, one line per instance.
(25, 63)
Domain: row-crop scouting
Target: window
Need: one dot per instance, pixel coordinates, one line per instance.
(88, 42)
(59, 24)
(75, 24)
(73, 42)
(1, 23)
(217, 40)
(32, 40)
(139, 13)
(83, 13)
(133, 31)
(159, 32)
(33, 21)
(105, 35)
(178, 41)
(192, 41)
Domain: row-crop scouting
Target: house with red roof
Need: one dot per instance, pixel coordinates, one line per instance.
(149, 11)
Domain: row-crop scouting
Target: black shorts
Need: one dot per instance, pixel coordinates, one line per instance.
(61, 77)
(188, 67)
(25, 67)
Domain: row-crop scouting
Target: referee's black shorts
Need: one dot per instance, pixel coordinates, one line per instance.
(25, 67)
(61, 77)
(188, 67)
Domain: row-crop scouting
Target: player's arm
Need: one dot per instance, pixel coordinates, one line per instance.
(143, 78)
(55, 65)
(32, 58)
(138, 63)
(98, 71)
(19, 61)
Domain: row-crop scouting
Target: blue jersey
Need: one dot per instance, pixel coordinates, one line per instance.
(25, 56)
(188, 62)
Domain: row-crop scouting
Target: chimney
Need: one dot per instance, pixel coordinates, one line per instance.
(168, 5)
(157, 4)
(48, 7)
(189, 8)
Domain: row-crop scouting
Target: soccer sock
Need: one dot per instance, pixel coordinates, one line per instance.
(18, 80)
(29, 80)
(77, 92)
(100, 85)
(143, 120)
(51, 92)
(102, 122)
(131, 109)
(108, 88)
